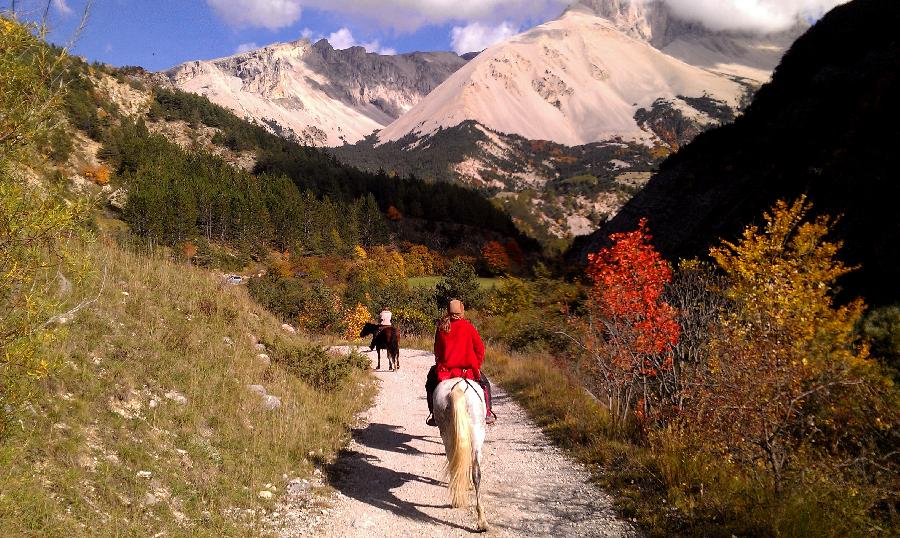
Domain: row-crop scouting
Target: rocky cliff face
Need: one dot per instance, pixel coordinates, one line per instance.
(315, 93)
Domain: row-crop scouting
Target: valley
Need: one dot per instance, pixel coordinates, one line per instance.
(670, 227)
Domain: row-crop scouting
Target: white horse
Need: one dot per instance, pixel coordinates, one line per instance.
(459, 411)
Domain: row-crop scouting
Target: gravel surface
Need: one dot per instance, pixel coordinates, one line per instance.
(390, 482)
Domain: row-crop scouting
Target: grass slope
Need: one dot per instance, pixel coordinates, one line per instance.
(105, 448)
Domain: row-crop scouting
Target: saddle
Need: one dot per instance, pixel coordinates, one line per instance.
(444, 373)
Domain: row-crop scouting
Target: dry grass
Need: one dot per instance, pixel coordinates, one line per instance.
(661, 482)
(78, 464)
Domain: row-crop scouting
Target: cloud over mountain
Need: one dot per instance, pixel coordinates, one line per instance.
(749, 15)
(410, 15)
(476, 36)
(271, 14)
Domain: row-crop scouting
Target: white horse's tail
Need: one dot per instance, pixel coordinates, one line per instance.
(459, 467)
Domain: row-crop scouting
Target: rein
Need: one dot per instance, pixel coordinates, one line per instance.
(468, 383)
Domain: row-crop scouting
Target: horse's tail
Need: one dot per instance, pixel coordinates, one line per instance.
(459, 467)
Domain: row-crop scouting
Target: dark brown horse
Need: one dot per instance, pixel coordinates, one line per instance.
(385, 338)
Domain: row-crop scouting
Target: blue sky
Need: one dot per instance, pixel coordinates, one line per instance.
(157, 34)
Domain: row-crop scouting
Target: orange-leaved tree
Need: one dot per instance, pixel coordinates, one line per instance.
(496, 258)
(633, 329)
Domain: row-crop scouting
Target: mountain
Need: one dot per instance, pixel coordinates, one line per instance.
(575, 80)
(314, 93)
(562, 124)
(826, 127)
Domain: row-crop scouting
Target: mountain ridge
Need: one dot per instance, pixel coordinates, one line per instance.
(314, 93)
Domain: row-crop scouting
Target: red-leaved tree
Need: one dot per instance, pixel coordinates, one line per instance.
(632, 328)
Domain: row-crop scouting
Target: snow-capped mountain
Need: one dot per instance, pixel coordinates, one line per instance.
(315, 93)
(583, 77)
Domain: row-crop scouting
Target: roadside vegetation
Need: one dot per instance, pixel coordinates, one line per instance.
(126, 375)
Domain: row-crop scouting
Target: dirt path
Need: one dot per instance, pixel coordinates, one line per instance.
(391, 481)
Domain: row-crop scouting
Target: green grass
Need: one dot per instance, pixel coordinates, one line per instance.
(71, 468)
(432, 281)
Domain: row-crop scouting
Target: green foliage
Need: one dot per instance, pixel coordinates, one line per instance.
(511, 295)
(314, 305)
(459, 281)
(316, 171)
(36, 228)
(315, 365)
(175, 196)
(881, 328)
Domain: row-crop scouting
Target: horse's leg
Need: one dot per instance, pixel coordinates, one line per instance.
(378, 350)
(476, 479)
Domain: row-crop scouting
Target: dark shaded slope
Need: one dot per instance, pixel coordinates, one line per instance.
(826, 126)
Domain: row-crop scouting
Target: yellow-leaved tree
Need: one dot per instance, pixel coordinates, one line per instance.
(784, 361)
(37, 263)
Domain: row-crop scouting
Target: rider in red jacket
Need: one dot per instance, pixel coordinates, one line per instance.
(458, 352)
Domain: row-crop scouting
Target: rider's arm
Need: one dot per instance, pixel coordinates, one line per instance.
(438, 346)
(477, 347)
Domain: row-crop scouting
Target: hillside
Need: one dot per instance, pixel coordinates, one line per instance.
(826, 127)
(139, 395)
(314, 93)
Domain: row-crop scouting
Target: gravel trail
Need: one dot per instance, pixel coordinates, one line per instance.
(390, 482)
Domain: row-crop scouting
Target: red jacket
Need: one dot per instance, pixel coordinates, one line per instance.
(459, 353)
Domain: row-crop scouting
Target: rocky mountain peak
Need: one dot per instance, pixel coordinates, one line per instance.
(314, 92)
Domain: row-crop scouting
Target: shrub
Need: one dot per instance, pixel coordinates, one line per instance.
(319, 368)
(354, 320)
(459, 281)
(881, 328)
(511, 295)
(314, 306)
(413, 322)
(786, 374)
(36, 227)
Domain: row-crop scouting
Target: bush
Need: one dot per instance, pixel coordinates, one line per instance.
(313, 306)
(512, 295)
(413, 322)
(321, 369)
(459, 281)
(881, 328)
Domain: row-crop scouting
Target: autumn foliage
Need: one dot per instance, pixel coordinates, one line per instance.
(784, 361)
(496, 258)
(633, 329)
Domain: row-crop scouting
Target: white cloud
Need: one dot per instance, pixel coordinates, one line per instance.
(409, 15)
(245, 47)
(62, 7)
(343, 39)
(271, 14)
(476, 37)
(749, 15)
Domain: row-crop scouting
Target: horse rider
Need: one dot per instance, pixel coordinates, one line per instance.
(458, 352)
(384, 320)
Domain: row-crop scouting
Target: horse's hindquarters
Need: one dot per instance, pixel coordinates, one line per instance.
(459, 411)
